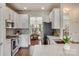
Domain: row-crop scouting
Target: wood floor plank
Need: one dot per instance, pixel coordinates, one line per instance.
(25, 51)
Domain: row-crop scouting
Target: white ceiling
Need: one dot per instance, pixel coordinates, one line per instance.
(34, 6)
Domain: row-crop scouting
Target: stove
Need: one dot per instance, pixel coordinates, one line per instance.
(14, 45)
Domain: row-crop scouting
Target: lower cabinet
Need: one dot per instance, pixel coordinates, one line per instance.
(24, 40)
(8, 47)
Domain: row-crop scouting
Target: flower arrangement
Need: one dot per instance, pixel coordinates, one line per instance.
(66, 39)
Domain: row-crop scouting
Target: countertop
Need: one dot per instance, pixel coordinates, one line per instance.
(59, 40)
(12, 36)
(55, 50)
(55, 38)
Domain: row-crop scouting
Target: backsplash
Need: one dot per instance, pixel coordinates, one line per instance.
(56, 32)
(9, 32)
(26, 31)
(14, 32)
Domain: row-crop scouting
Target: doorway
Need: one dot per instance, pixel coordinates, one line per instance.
(36, 30)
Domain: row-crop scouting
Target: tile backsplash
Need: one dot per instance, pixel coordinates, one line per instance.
(56, 32)
(13, 32)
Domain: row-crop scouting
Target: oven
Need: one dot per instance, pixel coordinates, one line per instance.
(14, 46)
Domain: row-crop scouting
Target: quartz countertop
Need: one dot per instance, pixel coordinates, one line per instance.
(12, 36)
(55, 50)
(55, 38)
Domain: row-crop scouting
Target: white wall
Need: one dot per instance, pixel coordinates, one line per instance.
(74, 24)
(74, 20)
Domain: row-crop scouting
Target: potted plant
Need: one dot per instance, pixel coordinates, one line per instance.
(67, 40)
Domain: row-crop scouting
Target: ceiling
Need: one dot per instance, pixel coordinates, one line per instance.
(33, 6)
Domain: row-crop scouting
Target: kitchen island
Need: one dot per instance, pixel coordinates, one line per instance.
(55, 40)
(55, 50)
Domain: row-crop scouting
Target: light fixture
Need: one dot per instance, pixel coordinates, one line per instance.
(42, 8)
(65, 10)
(25, 8)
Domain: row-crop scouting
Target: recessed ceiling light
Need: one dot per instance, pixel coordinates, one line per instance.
(66, 10)
(42, 8)
(25, 8)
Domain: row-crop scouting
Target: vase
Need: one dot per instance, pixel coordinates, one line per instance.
(66, 46)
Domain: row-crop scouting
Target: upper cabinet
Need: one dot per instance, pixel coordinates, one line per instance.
(16, 20)
(10, 17)
(55, 18)
(23, 21)
(19, 21)
(9, 14)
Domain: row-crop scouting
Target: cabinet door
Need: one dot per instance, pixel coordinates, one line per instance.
(52, 19)
(24, 21)
(20, 20)
(15, 20)
(11, 15)
(8, 47)
(56, 19)
(51, 16)
(24, 40)
(7, 13)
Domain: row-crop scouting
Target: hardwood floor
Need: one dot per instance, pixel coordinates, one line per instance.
(25, 51)
(34, 42)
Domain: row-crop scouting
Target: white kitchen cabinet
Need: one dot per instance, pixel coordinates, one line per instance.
(7, 13)
(19, 20)
(24, 40)
(12, 16)
(51, 16)
(12, 13)
(16, 20)
(55, 18)
(46, 17)
(23, 21)
(8, 47)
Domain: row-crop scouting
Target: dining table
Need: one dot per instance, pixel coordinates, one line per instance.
(55, 50)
